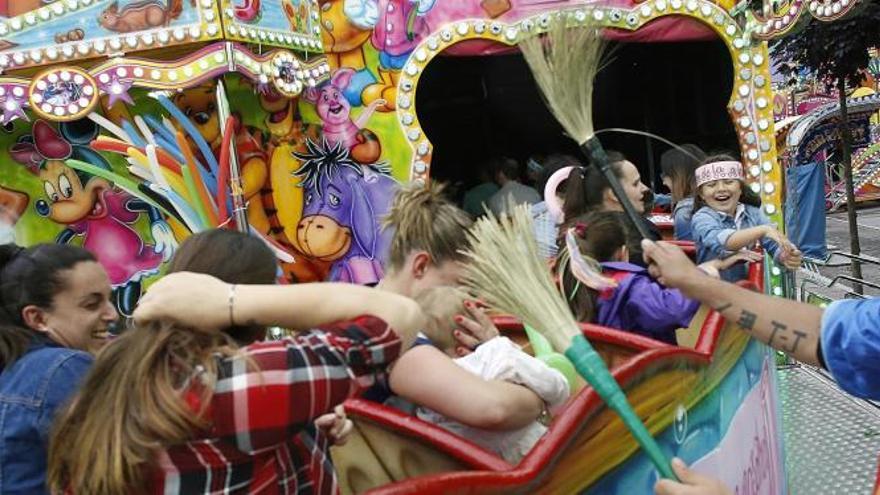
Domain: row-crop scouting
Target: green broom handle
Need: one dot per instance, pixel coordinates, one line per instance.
(590, 366)
(593, 149)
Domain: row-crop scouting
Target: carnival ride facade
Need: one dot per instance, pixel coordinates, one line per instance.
(113, 118)
(808, 135)
(805, 132)
(128, 125)
(811, 135)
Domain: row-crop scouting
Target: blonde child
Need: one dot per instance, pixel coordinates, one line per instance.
(496, 359)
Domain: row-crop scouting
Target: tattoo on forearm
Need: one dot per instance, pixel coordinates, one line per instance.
(747, 320)
(780, 332)
(798, 336)
(776, 328)
(786, 336)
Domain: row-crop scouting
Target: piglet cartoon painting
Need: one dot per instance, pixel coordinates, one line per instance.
(335, 112)
(344, 203)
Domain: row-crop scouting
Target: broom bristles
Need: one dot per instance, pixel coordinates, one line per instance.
(506, 271)
(564, 63)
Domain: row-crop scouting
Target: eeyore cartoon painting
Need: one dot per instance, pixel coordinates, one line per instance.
(343, 206)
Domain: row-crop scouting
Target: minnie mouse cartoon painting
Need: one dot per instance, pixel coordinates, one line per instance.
(90, 207)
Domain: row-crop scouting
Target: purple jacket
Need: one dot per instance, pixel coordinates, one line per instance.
(641, 305)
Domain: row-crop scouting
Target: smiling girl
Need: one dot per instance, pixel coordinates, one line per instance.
(55, 310)
(728, 219)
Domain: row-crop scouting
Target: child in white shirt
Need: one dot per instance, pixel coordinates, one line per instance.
(496, 359)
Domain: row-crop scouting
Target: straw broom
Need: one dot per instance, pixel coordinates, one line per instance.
(505, 270)
(564, 63)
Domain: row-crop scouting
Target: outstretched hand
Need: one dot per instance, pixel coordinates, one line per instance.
(691, 483)
(791, 256)
(742, 256)
(193, 300)
(771, 232)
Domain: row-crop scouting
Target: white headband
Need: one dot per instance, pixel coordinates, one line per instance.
(718, 171)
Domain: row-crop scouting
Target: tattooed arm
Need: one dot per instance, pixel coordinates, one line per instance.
(789, 326)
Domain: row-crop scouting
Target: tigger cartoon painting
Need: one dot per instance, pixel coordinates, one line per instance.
(265, 157)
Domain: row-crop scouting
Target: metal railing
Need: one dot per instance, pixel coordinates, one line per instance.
(810, 276)
(864, 258)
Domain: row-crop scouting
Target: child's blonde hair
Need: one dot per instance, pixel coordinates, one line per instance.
(440, 305)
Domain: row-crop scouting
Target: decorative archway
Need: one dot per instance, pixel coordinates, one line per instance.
(750, 104)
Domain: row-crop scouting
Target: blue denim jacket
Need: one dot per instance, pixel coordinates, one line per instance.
(31, 390)
(681, 215)
(712, 229)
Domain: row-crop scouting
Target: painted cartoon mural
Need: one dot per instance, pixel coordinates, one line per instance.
(335, 113)
(398, 29)
(394, 28)
(141, 15)
(282, 132)
(90, 207)
(129, 213)
(295, 120)
(344, 42)
(344, 203)
(95, 26)
(12, 205)
(269, 143)
(199, 105)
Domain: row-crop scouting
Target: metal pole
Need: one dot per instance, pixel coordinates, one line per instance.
(650, 152)
(239, 206)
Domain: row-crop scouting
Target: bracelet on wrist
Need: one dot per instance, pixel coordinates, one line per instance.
(231, 304)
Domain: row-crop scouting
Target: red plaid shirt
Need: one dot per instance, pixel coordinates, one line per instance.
(262, 439)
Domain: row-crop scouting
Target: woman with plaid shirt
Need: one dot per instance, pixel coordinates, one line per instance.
(179, 408)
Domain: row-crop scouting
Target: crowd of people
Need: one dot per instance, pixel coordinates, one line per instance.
(194, 398)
